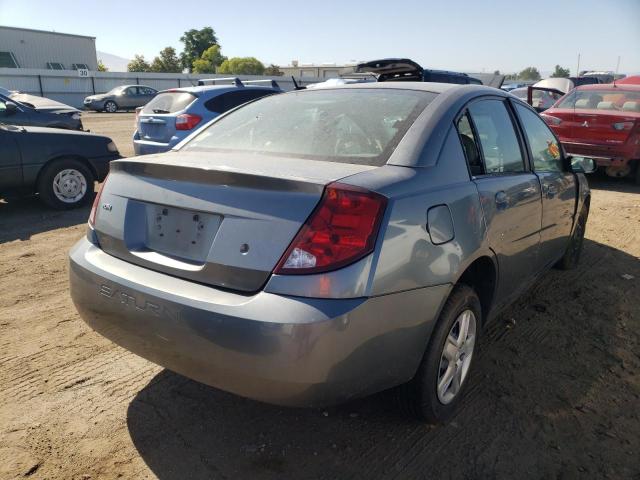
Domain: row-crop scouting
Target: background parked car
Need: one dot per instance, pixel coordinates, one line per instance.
(174, 114)
(565, 85)
(404, 69)
(60, 165)
(602, 122)
(630, 80)
(542, 99)
(324, 244)
(124, 97)
(16, 113)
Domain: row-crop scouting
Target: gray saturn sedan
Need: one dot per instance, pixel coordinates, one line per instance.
(316, 246)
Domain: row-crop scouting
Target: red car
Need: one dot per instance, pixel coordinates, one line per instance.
(602, 122)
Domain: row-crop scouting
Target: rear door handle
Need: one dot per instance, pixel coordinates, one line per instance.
(502, 200)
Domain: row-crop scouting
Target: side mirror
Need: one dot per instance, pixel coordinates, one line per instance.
(10, 108)
(582, 164)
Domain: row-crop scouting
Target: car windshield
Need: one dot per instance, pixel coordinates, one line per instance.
(360, 126)
(615, 99)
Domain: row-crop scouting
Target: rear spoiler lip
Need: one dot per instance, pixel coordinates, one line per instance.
(194, 174)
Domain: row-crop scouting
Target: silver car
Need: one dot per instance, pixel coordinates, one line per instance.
(320, 245)
(124, 97)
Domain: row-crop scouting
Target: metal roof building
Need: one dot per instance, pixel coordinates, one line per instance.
(28, 48)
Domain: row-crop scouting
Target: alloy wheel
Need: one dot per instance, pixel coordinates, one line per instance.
(455, 359)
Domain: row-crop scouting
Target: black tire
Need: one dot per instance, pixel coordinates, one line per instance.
(637, 172)
(571, 256)
(110, 106)
(419, 397)
(82, 172)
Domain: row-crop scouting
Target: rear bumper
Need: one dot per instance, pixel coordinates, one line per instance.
(604, 155)
(274, 348)
(141, 147)
(146, 147)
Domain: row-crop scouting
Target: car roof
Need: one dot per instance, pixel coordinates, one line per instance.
(208, 88)
(446, 72)
(610, 86)
(433, 87)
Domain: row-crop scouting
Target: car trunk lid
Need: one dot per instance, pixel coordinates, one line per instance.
(391, 67)
(218, 219)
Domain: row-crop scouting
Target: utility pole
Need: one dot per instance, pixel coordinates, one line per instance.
(578, 67)
(618, 65)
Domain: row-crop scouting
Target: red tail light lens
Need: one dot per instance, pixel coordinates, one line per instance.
(342, 229)
(186, 121)
(96, 202)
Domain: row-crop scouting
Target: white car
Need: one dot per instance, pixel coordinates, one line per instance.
(541, 99)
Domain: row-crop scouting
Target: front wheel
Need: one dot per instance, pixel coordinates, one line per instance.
(437, 388)
(571, 256)
(65, 184)
(110, 107)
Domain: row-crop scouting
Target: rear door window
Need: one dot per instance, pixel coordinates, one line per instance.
(497, 137)
(545, 149)
(226, 101)
(169, 102)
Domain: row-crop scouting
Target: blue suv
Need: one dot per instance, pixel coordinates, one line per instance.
(174, 114)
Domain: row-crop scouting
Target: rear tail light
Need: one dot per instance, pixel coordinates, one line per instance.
(341, 230)
(96, 202)
(186, 121)
(551, 120)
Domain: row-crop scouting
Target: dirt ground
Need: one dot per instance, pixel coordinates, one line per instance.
(555, 392)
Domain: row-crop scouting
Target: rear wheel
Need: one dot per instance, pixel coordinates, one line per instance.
(110, 107)
(437, 388)
(571, 256)
(65, 184)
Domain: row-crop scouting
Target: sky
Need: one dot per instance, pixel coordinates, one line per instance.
(465, 35)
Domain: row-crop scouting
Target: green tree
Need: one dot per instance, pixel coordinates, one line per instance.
(102, 67)
(138, 64)
(496, 72)
(167, 61)
(211, 59)
(529, 73)
(273, 71)
(242, 66)
(195, 44)
(560, 72)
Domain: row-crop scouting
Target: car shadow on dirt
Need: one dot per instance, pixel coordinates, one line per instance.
(539, 404)
(22, 217)
(600, 181)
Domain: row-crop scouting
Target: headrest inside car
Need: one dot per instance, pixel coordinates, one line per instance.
(605, 106)
(631, 107)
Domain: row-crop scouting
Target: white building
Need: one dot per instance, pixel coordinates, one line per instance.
(27, 48)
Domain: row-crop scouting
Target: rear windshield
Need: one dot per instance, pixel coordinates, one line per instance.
(610, 100)
(360, 126)
(169, 102)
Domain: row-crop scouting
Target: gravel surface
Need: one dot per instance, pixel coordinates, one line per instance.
(555, 391)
